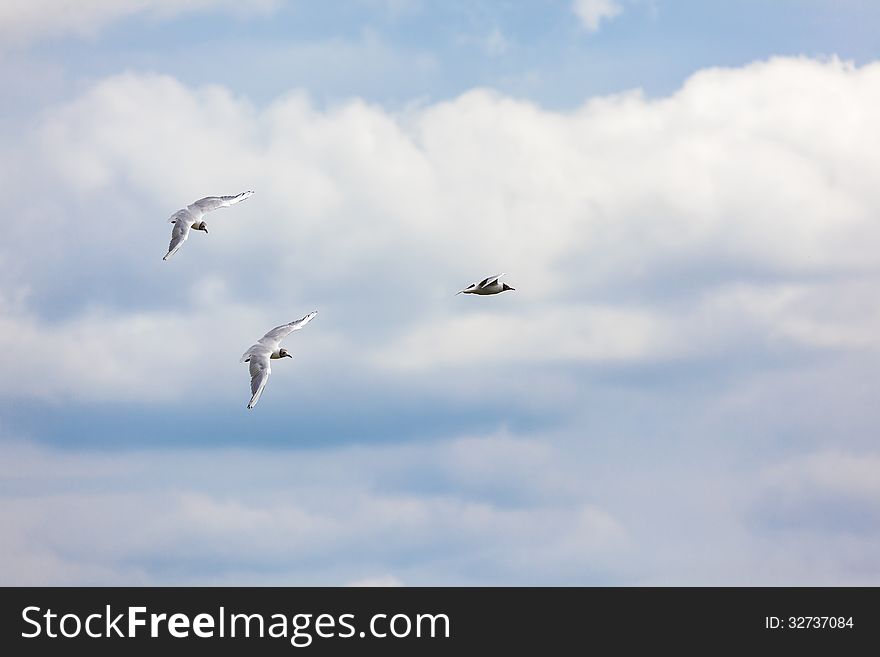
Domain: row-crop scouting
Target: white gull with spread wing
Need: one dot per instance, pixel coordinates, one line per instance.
(268, 348)
(190, 218)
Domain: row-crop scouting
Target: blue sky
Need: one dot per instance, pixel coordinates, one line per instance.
(680, 391)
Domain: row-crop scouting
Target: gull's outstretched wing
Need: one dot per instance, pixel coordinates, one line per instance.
(278, 333)
(259, 370)
(178, 236)
(180, 214)
(255, 350)
(209, 203)
(490, 281)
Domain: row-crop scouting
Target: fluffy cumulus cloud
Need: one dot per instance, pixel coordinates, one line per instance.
(22, 21)
(592, 12)
(688, 271)
(737, 213)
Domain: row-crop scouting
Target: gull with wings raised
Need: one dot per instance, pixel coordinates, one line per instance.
(190, 218)
(488, 285)
(269, 348)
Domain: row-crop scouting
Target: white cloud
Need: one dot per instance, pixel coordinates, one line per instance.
(138, 518)
(582, 334)
(22, 21)
(732, 214)
(593, 12)
(818, 315)
(836, 473)
(437, 513)
(125, 356)
(818, 505)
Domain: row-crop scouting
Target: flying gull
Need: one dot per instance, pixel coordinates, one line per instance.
(488, 285)
(190, 217)
(268, 348)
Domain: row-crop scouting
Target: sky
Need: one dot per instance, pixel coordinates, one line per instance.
(681, 390)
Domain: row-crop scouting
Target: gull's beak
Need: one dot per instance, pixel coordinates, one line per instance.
(513, 288)
(288, 356)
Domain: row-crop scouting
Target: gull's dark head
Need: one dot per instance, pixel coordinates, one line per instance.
(202, 226)
(505, 287)
(283, 353)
